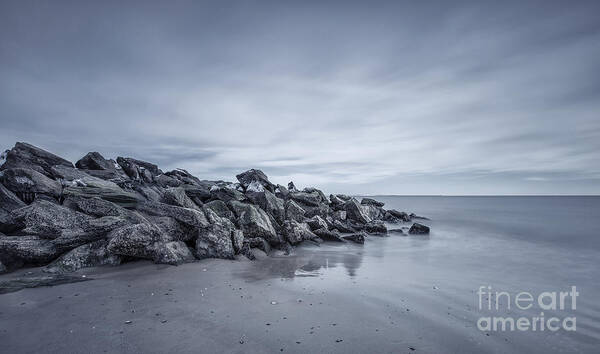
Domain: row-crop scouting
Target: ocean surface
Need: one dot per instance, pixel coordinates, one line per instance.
(423, 290)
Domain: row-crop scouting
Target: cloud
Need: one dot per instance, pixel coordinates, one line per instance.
(397, 98)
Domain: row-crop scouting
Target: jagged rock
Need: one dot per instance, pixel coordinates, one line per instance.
(291, 187)
(27, 249)
(88, 187)
(332, 235)
(189, 217)
(149, 192)
(281, 192)
(414, 216)
(369, 201)
(138, 240)
(45, 219)
(296, 232)
(24, 155)
(226, 194)
(308, 199)
(374, 212)
(258, 242)
(184, 177)
(270, 203)
(215, 241)
(376, 227)
(255, 181)
(165, 181)
(399, 215)
(418, 229)
(293, 211)
(173, 253)
(98, 207)
(335, 200)
(198, 193)
(356, 237)
(356, 212)
(8, 201)
(178, 197)
(339, 215)
(139, 170)
(28, 184)
(343, 227)
(255, 222)
(343, 197)
(90, 255)
(397, 231)
(220, 208)
(237, 238)
(323, 198)
(322, 210)
(94, 161)
(316, 222)
(176, 231)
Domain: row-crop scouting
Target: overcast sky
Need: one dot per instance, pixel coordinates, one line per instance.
(368, 98)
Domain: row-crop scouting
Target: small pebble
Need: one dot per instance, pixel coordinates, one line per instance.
(128, 322)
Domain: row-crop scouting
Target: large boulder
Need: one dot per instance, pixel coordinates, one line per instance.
(358, 237)
(90, 255)
(296, 232)
(343, 226)
(255, 181)
(139, 170)
(254, 222)
(329, 235)
(376, 227)
(88, 187)
(270, 203)
(190, 217)
(18, 250)
(374, 212)
(220, 208)
(45, 219)
(198, 193)
(293, 211)
(28, 184)
(174, 229)
(316, 222)
(400, 215)
(138, 241)
(226, 193)
(8, 201)
(178, 197)
(418, 229)
(215, 241)
(98, 207)
(291, 187)
(173, 253)
(370, 201)
(184, 177)
(305, 198)
(281, 192)
(355, 211)
(94, 161)
(24, 155)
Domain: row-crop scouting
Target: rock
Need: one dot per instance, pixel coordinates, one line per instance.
(291, 187)
(322, 210)
(254, 222)
(418, 229)
(94, 161)
(215, 241)
(296, 232)
(139, 170)
(3, 268)
(323, 198)
(8, 201)
(414, 216)
(138, 241)
(396, 231)
(226, 194)
(28, 184)
(270, 203)
(339, 215)
(255, 181)
(98, 207)
(308, 199)
(258, 242)
(173, 253)
(45, 219)
(184, 177)
(165, 181)
(399, 215)
(356, 212)
(335, 200)
(343, 197)
(175, 230)
(88, 187)
(190, 217)
(26, 249)
(343, 227)
(374, 212)
(178, 197)
(376, 227)
(316, 222)
(91, 255)
(356, 237)
(220, 208)
(332, 235)
(24, 155)
(369, 201)
(199, 194)
(281, 192)
(237, 238)
(293, 211)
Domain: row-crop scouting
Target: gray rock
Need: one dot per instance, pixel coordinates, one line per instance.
(184, 177)
(418, 229)
(323, 198)
(308, 199)
(396, 231)
(327, 235)
(27, 249)
(98, 207)
(226, 194)
(343, 197)
(9, 201)
(281, 192)
(356, 212)
(296, 232)
(376, 227)
(293, 211)
(199, 194)
(335, 200)
(237, 238)
(175, 230)
(343, 227)
(28, 184)
(291, 187)
(374, 212)
(178, 197)
(139, 170)
(138, 241)
(90, 255)
(254, 222)
(414, 216)
(3, 268)
(89, 187)
(215, 241)
(255, 181)
(190, 217)
(24, 155)
(370, 201)
(94, 161)
(322, 210)
(316, 222)
(339, 215)
(166, 181)
(258, 242)
(220, 208)
(399, 215)
(173, 253)
(356, 237)
(270, 203)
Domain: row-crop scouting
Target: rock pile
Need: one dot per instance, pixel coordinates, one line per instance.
(106, 212)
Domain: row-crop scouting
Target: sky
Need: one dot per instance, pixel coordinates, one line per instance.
(372, 97)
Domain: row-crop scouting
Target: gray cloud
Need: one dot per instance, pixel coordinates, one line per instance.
(386, 97)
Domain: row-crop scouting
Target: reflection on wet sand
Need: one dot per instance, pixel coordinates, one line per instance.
(307, 261)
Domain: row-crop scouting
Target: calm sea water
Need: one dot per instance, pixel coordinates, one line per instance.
(427, 285)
